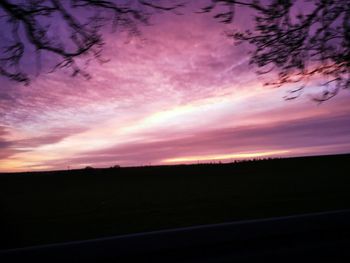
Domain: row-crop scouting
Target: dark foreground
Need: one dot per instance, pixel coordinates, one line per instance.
(319, 237)
(63, 206)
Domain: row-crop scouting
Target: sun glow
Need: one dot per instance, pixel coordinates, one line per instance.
(234, 156)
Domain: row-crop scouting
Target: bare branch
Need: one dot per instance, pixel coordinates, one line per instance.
(84, 38)
(300, 47)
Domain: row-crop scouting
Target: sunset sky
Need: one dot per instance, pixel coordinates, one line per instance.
(182, 92)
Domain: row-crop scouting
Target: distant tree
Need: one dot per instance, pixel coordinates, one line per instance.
(303, 40)
(31, 25)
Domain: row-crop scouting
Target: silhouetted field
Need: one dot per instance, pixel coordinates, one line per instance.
(50, 207)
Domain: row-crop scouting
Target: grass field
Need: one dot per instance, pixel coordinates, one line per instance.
(49, 207)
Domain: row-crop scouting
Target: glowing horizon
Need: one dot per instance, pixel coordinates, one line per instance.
(219, 157)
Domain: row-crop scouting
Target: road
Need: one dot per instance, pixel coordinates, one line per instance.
(317, 237)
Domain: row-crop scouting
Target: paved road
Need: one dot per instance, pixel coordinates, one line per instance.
(317, 237)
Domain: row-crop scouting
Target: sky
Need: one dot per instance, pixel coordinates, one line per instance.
(182, 92)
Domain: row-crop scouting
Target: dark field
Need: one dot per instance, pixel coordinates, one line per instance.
(50, 207)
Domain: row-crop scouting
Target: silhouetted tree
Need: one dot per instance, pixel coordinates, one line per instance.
(303, 40)
(30, 24)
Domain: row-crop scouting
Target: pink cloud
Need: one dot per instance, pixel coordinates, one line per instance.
(313, 135)
(182, 89)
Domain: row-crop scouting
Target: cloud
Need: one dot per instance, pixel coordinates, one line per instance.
(182, 89)
(296, 137)
(6, 149)
(11, 148)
